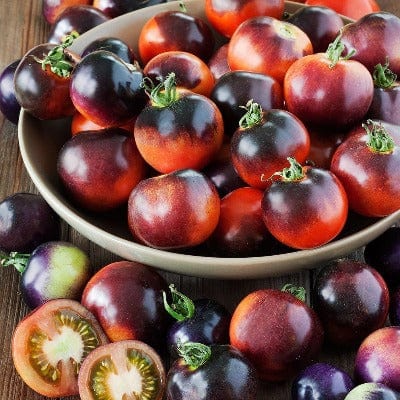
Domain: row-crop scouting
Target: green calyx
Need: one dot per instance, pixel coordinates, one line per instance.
(383, 76)
(18, 260)
(163, 94)
(57, 59)
(379, 140)
(297, 291)
(292, 173)
(194, 354)
(253, 115)
(181, 308)
(335, 51)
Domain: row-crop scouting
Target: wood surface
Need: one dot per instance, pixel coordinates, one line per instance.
(23, 27)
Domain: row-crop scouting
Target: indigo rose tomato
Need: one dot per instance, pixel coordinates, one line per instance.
(377, 358)
(176, 210)
(191, 72)
(179, 129)
(126, 298)
(211, 373)
(263, 142)
(225, 17)
(275, 45)
(277, 332)
(51, 9)
(42, 79)
(50, 343)
(175, 30)
(372, 391)
(321, 381)
(234, 90)
(326, 89)
(354, 9)
(9, 105)
(104, 372)
(367, 163)
(321, 24)
(218, 62)
(348, 311)
(305, 207)
(107, 90)
(99, 171)
(114, 8)
(379, 27)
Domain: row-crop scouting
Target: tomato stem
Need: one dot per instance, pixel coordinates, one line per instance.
(335, 51)
(163, 94)
(195, 354)
(181, 308)
(18, 260)
(297, 291)
(253, 115)
(292, 173)
(379, 140)
(383, 76)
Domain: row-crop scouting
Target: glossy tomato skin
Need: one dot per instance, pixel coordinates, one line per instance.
(260, 151)
(175, 210)
(218, 62)
(42, 93)
(372, 390)
(308, 212)
(188, 133)
(348, 312)
(33, 336)
(235, 88)
(327, 96)
(225, 17)
(293, 329)
(9, 105)
(114, 8)
(52, 9)
(99, 171)
(106, 90)
(385, 104)
(227, 374)
(175, 30)
(126, 298)
(275, 45)
(368, 177)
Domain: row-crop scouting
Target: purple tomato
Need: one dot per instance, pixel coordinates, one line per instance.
(9, 105)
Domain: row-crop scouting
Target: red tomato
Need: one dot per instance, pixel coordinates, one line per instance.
(354, 9)
(305, 207)
(226, 16)
(50, 343)
(368, 165)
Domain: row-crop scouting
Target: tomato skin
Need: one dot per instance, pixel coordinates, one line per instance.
(276, 332)
(52, 9)
(321, 95)
(306, 213)
(370, 179)
(354, 9)
(386, 103)
(225, 17)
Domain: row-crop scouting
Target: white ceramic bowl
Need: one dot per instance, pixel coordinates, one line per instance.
(40, 142)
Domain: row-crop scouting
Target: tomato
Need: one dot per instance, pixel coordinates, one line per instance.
(179, 129)
(305, 207)
(218, 63)
(354, 9)
(367, 164)
(326, 89)
(122, 370)
(226, 16)
(52, 9)
(274, 44)
(114, 8)
(50, 343)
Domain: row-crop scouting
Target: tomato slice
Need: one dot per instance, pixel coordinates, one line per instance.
(50, 343)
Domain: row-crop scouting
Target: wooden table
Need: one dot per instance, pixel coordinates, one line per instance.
(23, 27)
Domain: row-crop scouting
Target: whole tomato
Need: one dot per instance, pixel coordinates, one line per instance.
(226, 16)
(354, 9)
(313, 93)
(305, 207)
(368, 164)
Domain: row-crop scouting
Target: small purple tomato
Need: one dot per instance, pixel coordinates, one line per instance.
(9, 105)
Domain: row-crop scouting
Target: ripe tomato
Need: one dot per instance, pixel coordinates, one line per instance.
(306, 207)
(354, 9)
(226, 16)
(50, 343)
(368, 164)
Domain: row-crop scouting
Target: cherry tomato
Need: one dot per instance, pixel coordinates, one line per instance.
(367, 164)
(50, 343)
(225, 17)
(275, 45)
(9, 105)
(305, 207)
(218, 62)
(312, 92)
(122, 370)
(114, 8)
(51, 9)
(354, 9)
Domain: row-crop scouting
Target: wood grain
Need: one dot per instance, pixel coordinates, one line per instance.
(22, 28)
